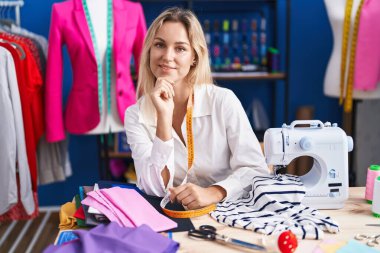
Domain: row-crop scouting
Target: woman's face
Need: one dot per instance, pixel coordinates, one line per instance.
(171, 54)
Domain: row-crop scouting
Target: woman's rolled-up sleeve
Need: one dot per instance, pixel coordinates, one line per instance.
(150, 156)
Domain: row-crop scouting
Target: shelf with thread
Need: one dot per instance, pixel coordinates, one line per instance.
(247, 75)
(244, 75)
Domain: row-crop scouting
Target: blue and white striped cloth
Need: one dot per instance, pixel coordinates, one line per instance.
(272, 204)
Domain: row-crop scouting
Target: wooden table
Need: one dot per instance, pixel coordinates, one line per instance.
(352, 220)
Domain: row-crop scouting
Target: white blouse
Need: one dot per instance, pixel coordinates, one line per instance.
(226, 151)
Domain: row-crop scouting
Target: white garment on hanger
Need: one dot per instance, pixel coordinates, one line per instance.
(336, 12)
(108, 122)
(13, 139)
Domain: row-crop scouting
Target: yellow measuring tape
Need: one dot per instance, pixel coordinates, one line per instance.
(350, 81)
(189, 213)
(350, 78)
(190, 160)
(189, 132)
(346, 33)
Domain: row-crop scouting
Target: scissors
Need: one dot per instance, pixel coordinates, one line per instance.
(208, 232)
(372, 240)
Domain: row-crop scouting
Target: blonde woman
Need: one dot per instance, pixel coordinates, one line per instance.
(174, 76)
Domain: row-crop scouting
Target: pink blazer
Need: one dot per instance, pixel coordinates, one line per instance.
(69, 27)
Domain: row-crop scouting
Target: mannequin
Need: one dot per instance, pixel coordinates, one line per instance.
(109, 123)
(85, 111)
(336, 13)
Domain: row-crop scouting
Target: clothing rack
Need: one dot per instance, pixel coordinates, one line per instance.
(16, 5)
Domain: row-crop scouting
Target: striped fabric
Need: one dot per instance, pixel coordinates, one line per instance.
(271, 205)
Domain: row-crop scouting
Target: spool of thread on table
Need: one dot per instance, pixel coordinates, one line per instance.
(285, 242)
(376, 198)
(372, 173)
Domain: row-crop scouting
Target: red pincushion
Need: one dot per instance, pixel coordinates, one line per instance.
(287, 242)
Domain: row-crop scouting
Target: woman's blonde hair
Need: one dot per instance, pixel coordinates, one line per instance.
(200, 73)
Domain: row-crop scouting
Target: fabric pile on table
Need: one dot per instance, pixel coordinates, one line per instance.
(272, 204)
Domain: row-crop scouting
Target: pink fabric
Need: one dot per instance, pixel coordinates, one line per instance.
(120, 204)
(93, 202)
(367, 60)
(132, 204)
(96, 200)
(69, 27)
(125, 220)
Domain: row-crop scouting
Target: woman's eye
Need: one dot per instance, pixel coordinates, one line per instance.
(181, 49)
(159, 45)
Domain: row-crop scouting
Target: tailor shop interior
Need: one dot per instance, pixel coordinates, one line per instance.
(69, 71)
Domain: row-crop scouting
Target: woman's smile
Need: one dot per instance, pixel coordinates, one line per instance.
(166, 68)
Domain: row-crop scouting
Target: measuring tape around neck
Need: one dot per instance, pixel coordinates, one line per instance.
(348, 89)
(190, 161)
(189, 132)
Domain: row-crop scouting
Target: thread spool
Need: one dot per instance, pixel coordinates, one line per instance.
(372, 173)
(376, 198)
(286, 242)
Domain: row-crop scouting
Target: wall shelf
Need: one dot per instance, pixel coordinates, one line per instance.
(113, 154)
(248, 75)
(243, 76)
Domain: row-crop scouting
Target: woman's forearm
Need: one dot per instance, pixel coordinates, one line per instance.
(164, 127)
(164, 132)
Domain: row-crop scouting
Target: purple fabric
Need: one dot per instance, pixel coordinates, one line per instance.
(113, 238)
(117, 167)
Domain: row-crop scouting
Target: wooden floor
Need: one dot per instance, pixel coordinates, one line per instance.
(30, 236)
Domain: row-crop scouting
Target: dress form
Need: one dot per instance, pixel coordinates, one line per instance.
(336, 13)
(108, 122)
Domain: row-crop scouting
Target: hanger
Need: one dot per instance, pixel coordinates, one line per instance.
(19, 48)
(5, 19)
(6, 22)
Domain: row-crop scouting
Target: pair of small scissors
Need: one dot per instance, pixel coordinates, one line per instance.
(208, 232)
(372, 240)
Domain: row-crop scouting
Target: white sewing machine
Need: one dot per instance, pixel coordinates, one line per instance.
(327, 181)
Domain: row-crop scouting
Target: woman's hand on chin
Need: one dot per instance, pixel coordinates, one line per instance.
(162, 96)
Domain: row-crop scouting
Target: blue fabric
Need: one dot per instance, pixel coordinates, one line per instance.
(66, 236)
(113, 238)
(354, 247)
